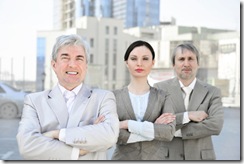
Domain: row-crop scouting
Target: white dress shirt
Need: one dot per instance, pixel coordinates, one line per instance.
(185, 118)
(140, 131)
(75, 151)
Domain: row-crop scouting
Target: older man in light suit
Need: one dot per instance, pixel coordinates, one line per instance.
(81, 125)
(198, 119)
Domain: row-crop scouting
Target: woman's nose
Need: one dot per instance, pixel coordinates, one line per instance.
(139, 62)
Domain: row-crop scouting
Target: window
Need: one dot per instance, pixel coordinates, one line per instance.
(91, 58)
(115, 30)
(114, 74)
(114, 59)
(92, 42)
(107, 30)
(227, 48)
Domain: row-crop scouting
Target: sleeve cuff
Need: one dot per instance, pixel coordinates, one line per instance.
(134, 127)
(62, 135)
(186, 118)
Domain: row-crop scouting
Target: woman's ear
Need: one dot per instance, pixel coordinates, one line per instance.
(126, 63)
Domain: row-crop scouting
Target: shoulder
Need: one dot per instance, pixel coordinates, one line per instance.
(206, 85)
(38, 94)
(120, 91)
(160, 93)
(210, 88)
(165, 82)
(102, 93)
(165, 85)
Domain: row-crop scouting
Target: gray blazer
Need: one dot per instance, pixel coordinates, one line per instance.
(158, 103)
(46, 111)
(196, 137)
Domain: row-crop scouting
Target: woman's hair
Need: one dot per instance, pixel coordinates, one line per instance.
(185, 46)
(138, 44)
(69, 40)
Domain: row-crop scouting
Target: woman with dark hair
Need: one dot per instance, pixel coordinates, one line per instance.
(145, 113)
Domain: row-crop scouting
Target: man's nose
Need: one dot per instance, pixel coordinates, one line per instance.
(186, 63)
(72, 63)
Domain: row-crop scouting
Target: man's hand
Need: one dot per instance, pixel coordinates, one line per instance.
(99, 120)
(52, 134)
(197, 116)
(83, 152)
(165, 118)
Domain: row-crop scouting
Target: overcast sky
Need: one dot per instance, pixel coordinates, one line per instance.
(20, 19)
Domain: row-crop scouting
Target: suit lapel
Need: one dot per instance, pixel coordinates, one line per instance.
(151, 103)
(127, 103)
(79, 106)
(176, 92)
(198, 94)
(57, 104)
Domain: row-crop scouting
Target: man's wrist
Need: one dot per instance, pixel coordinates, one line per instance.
(56, 134)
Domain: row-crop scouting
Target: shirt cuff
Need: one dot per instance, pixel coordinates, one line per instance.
(75, 153)
(186, 118)
(134, 127)
(62, 135)
(145, 129)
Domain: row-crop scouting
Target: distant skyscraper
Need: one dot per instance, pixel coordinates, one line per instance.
(66, 11)
(135, 13)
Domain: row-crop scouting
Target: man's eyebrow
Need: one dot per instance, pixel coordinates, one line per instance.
(64, 54)
(80, 56)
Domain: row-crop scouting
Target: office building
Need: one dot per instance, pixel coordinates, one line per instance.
(133, 13)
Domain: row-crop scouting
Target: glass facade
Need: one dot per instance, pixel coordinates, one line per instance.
(138, 13)
(97, 8)
(40, 64)
(135, 13)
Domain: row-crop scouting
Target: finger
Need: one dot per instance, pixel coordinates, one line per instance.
(99, 119)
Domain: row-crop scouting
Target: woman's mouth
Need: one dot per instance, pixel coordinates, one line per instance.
(139, 70)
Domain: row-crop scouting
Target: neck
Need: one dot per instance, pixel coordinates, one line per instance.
(138, 86)
(186, 83)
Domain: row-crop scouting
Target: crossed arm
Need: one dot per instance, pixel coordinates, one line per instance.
(55, 134)
(146, 131)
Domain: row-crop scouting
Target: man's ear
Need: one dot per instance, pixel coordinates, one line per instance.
(53, 63)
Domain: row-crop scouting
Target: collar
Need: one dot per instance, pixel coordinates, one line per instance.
(75, 90)
(192, 85)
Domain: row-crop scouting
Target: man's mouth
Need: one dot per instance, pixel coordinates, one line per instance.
(71, 73)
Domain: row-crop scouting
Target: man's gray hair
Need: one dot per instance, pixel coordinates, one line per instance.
(185, 46)
(70, 40)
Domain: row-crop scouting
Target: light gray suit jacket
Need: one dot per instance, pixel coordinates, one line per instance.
(196, 137)
(46, 111)
(158, 103)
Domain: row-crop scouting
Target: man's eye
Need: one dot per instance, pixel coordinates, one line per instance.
(64, 58)
(81, 59)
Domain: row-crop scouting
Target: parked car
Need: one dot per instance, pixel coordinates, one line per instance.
(11, 101)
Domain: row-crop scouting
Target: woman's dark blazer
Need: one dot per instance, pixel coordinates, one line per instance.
(158, 103)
